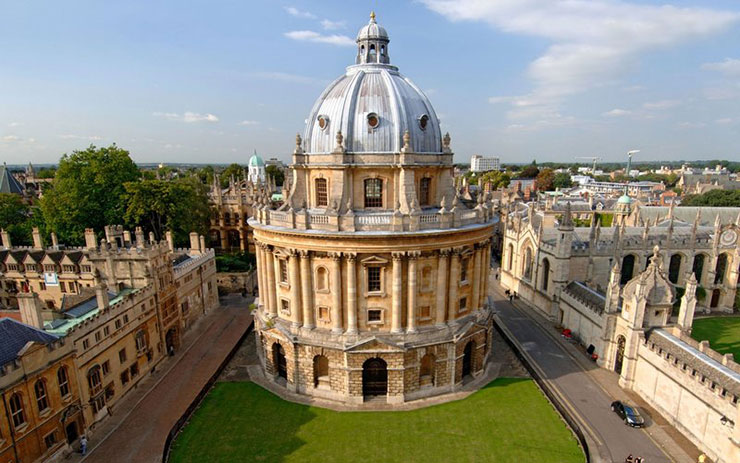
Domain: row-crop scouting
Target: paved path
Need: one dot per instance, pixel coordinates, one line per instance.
(140, 436)
(614, 440)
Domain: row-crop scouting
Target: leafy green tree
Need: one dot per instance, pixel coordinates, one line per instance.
(180, 206)
(46, 172)
(714, 198)
(545, 180)
(204, 174)
(276, 173)
(233, 169)
(496, 178)
(18, 218)
(530, 171)
(562, 180)
(87, 191)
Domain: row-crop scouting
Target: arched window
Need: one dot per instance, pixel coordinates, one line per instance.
(628, 268)
(227, 218)
(320, 371)
(719, 272)
(93, 380)
(382, 50)
(511, 257)
(39, 388)
(373, 54)
(322, 197)
(426, 370)
(545, 274)
(674, 268)
(322, 279)
(16, 409)
(527, 269)
(425, 185)
(63, 381)
(373, 192)
(698, 267)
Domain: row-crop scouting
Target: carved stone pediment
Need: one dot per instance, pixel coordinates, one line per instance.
(375, 345)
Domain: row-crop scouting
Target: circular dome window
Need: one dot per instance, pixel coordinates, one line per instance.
(423, 121)
(373, 120)
(323, 122)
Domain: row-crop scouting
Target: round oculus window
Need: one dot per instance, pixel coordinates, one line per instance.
(323, 122)
(423, 122)
(372, 120)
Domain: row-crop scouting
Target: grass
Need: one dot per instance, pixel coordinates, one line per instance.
(507, 421)
(723, 334)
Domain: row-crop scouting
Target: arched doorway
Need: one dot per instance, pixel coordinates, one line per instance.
(71, 431)
(320, 371)
(278, 359)
(621, 341)
(467, 366)
(374, 377)
(715, 298)
(171, 340)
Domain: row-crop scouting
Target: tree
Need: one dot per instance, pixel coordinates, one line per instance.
(276, 173)
(545, 180)
(18, 218)
(87, 191)
(180, 206)
(714, 198)
(46, 172)
(234, 169)
(495, 178)
(530, 171)
(562, 180)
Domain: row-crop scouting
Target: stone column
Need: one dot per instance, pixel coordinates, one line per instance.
(260, 274)
(397, 294)
(486, 272)
(454, 285)
(444, 256)
(307, 290)
(242, 239)
(336, 306)
(351, 293)
(411, 309)
(270, 290)
(295, 290)
(475, 299)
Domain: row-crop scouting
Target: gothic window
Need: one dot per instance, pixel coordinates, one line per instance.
(424, 191)
(322, 199)
(527, 270)
(16, 410)
(511, 257)
(227, 218)
(674, 268)
(373, 279)
(63, 381)
(545, 274)
(719, 272)
(322, 279)
(39, 388)
(628, 267)
(698, 267)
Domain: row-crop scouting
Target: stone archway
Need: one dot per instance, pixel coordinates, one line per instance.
(716, 293)
(278, 360)
(172, 340)
(468, 361)
(374, 377)
(619, 360)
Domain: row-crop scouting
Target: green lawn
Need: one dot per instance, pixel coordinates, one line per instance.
(723, 334)
(507, 421)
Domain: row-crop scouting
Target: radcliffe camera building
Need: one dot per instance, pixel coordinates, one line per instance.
(372, 274)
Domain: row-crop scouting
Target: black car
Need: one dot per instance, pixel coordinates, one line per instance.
(629, 414)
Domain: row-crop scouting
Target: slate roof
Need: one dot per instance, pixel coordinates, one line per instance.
(727, 215)
(15, 335)
(180, 259)
(8, 183)
(587, 296)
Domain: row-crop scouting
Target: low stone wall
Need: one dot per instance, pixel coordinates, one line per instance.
(236, 282)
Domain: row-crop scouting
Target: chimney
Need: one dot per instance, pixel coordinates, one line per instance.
(152, 240)
(6, 239)
(90, 241)
(31, 310)
(202, 244)
(140, 241)
(101, 292)
(127, 238)
(170, 242)
(194, 243)
(38, 243)
(54, 241)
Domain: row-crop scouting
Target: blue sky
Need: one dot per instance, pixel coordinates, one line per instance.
(210, 81)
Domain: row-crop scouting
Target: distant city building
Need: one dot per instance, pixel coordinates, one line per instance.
(480, 164)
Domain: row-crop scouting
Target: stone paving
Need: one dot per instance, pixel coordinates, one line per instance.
(138, 428)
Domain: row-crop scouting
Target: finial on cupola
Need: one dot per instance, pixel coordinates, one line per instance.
(372, 16)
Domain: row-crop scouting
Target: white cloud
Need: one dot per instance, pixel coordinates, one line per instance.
(299, 13)
(723, 121)
(312, 36)
(330, 25)
(70, 136)
(663, 104)
(10, 138)
(692, 125)
(592, 42)
(17, 139)
(616, 112)
(729, 67)
(248, 122)
(14, 124)
(188, 117)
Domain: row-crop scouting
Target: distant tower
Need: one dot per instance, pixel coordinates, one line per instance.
(256, 168)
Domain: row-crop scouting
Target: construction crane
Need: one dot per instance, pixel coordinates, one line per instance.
(629, 161)
(593, 158)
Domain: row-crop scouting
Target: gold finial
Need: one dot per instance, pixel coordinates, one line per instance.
(372, 16)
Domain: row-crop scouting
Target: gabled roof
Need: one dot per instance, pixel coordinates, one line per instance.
(15, 335)
(8, 183)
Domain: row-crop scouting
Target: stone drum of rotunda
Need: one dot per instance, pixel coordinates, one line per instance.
(373, 274)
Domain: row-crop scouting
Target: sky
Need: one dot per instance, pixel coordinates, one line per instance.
(212, 81)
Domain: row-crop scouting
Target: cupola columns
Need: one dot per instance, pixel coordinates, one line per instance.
(372, 44)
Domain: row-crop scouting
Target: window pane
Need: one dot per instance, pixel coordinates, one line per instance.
(373, 192)
(322, 199)
(373, 279)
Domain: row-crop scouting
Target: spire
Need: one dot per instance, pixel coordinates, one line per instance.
(567, 223)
